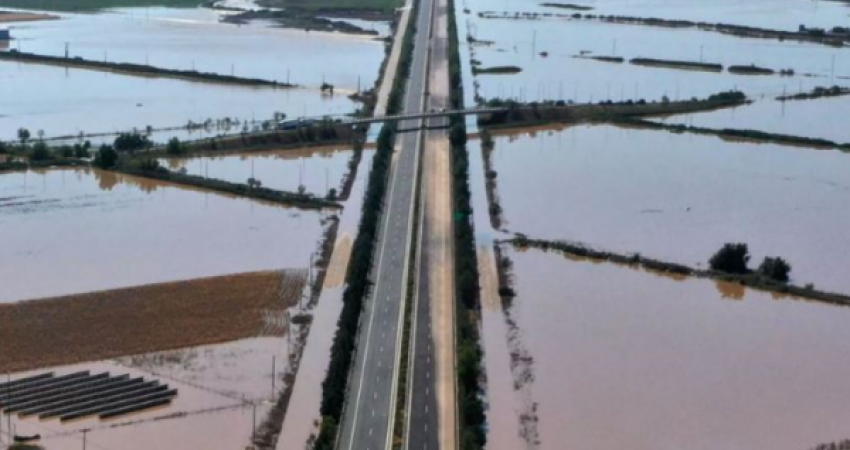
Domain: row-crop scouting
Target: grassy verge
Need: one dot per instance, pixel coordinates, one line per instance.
(357, 289)
(94, 5)
(469, 356)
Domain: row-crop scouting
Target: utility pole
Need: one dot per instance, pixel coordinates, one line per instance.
(274, 373)
(832, 70)
(254, 423)
(67, 53)
(534, 43)
(85, 432)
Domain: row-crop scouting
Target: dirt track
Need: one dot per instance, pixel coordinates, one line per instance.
(108, 324)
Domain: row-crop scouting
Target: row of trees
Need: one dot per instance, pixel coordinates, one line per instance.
(734, 259)
(469, 354)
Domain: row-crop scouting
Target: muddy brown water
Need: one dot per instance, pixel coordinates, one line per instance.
(680, 197)
(73, 231)
(317, 169)
(625, 358)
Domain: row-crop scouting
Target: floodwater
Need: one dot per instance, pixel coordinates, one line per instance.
(241, 369)
(561, 76)
(824, 118)
(200, 416)
(680, 197)
(317, 169)
(773, 14)
(64, 102)
(195, 39)
(625, 358)
(74, 231)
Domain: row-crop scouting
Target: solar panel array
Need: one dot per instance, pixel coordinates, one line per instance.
(81, 394)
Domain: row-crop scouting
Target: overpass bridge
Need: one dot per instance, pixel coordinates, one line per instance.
(415, 116)
(424, 115)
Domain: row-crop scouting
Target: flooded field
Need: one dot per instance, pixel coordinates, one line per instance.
(66, 102)
(316, 169)
(195, 39)
(201, 416)
(679, 197)
(822, 118)
(561, 76)
(774, 14)
(73, 231)
(626, 358)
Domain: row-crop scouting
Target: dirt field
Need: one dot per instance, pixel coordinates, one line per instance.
(7, 16)
(108, 324)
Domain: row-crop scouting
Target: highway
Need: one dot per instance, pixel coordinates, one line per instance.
(431, 414)
(367, 422)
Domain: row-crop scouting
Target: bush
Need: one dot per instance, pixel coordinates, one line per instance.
(732, 258)
(457, 135)
(776, 269)
(106, 157)
(40, 152)
(129, 142)
(174, 147)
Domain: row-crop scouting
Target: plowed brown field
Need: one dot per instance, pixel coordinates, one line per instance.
(107, 324)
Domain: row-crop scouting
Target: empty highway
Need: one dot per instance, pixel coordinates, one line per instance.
(367, 423)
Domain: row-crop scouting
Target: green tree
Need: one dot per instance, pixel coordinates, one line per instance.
(174, 147)
(457, 135)
(130, 142)
(149, 164)
(732, 258)
(23, 135)
(40, 152)
(776, 269)
(106, 157)
(81, 151)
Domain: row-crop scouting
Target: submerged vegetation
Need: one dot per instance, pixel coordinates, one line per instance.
(836, 37)
(772, 275)
(673, 64)
(816, 93)
(137, 69)
(503, 70)
(729, 133)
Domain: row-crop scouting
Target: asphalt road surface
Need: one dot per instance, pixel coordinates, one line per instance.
(367, 423)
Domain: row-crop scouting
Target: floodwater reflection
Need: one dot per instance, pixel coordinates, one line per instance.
(317, 169)
(680, 197)
(72, 231)
(623, 358)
